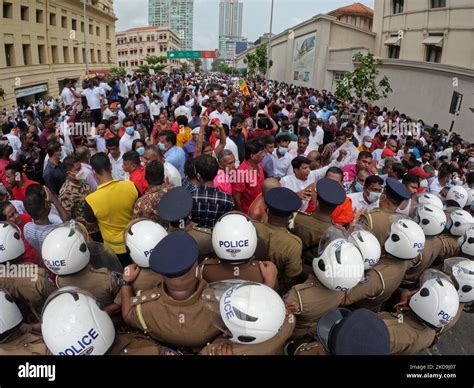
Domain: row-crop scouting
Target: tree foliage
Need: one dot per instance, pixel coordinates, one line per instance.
(257, 61)
(158, 64)
(221, 66)
(197, 64)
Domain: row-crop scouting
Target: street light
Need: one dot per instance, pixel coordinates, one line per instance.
(269, 44)
(86, 57)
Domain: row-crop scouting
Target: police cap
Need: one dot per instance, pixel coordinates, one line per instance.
(330, 192)
(282, 201)
(175, 205)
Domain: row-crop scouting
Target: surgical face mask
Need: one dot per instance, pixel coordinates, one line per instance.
(162, 147)
(374, 196)
(424, 183)
(81, 175)
(282, 150)
(117, 126)
(358, 187)
(130, 130)
(141, 151)
(368, 144)
(157, 101)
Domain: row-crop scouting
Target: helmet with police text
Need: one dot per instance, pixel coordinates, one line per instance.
(234, 237)
(252, 312)
(10, 314)
(459, 195)
(406, 240)
(430, 199)
(73, 324)
(458, 221)
(65, 251)
(141, 237)
(466, 242)
(368, 246)
(340, 267)
(431, 219)
(11, 244)
(461, 271)
(436, 303)
(470, 200)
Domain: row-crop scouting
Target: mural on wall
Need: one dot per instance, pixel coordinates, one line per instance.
(303, 59)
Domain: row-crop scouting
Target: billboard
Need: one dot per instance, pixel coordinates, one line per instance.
(240, 47)
(304, 54)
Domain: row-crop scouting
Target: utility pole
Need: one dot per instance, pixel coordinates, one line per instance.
(86, 47)
(269, 44)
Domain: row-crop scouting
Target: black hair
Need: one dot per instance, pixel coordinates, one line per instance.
(370, 180)
(299, 161)
(169, 136)
(155, 173)
(112, 142)
(100, 163)
(207, 167)
(253, 147)
(69, 162)
(132, 156)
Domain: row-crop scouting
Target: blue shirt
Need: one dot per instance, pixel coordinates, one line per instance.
(176, 157)
(326, 113)
(54, 177)
(267, 164)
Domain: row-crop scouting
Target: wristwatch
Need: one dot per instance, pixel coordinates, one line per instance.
(122, 282)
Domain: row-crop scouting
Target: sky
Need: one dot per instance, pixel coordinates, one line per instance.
(256, 16)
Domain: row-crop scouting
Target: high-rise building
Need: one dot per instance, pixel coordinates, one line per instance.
(176, 14)
(230, 18)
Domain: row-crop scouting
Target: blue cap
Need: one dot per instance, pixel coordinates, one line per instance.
(175, 205)
(330, 192)
(174, 255)
(282, 201)
(358, 333)
(396, 190)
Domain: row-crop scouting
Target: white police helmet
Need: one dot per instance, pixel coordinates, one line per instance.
(234, 237)
(141, 237)
(11, 244)
(340, 267)
(252, 312)
(462, 275)
(429, 199)
(431, 219)
(466, 242)
(459, 195)
(74, 324)
(459, 220)
(368, 246)
(406, 240)
(436, 303)
(10, 314)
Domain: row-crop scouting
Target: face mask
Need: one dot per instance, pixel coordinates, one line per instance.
(368, 145)
(424, 183)
(358, 187)
(162, 147)
(81, 175)
(156, 101)
(130, 130)
(282, 150)
(117, 126)
(374, 196)
(141, 151)
(449, 184)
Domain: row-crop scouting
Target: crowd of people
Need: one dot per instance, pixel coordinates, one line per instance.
(196, 216)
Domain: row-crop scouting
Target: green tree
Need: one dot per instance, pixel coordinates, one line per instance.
(361, 84)
(197, 64)
(116, 72)
(158, 64)
(257, 61)
(221, 66)
(185, 68)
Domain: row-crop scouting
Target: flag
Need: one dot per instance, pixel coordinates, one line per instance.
(244, 88)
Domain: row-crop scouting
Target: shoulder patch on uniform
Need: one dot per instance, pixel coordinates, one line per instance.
(147, 296)
(202, 230)
(210, 261)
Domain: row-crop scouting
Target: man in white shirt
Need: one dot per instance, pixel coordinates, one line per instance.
(369, 197)
(229, 145)
(444, 177)
(281, 158)
(116, 159)
(68, 94)
(13, 140)
(183, 110)
(221, 115)
(316, 135)
(128, 137)
(94, 96)
(155, 108)
(172, 175)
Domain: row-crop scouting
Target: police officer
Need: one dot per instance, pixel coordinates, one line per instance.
(310, 229)
(336, 273)
(342, 332)
(276, 242)
(16, 338)
(234, 240)
(405, 242)
(66, 254)
(378, 221)
(175, 208)
(173, 312)
(26, 282)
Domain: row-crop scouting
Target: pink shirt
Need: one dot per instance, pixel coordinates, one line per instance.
(350, 173)
(222, 182)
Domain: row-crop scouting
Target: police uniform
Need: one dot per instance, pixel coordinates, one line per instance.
(146, 280)
(311, 228)
(32, 289)
(98, 282)
(214, 270)
(313, 300)
(24, 341)
(272, 347)
(379, 221)
(310, 349)
(176, 323)
(379, 284)
(175, 207)
(136, 344)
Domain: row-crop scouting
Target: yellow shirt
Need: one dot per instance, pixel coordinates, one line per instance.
(112, 204)
(183, 137)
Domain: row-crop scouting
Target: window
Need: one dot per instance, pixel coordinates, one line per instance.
(39, 16)
(76, 54)
(394, 51)
(24, 13)
(99, 56)
(97, 31)
(41, 54)
(26, 54)
(433, 54)
(74, 24)
(66, 54)
(107, 32)
(398, 6)
(63, 21)
(109, 58)
(7, 10)
(92, 56)
(10, 55)
(438, 3)
(54, 54)
(91, 29)
(82, 26)
(52, 19)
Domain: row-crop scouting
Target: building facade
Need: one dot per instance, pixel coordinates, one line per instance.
(230, 18)
(175, 14)
(42, 42)
(428, 52)
(135, 44)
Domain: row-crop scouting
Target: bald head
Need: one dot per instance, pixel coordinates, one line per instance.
(315, 158)
(83, 154)
(270, 183)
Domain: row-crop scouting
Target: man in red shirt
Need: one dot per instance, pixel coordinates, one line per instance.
(132, 165)
(17, 180)
(248, 179)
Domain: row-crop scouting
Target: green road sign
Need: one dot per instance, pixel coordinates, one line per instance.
(183, 54)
